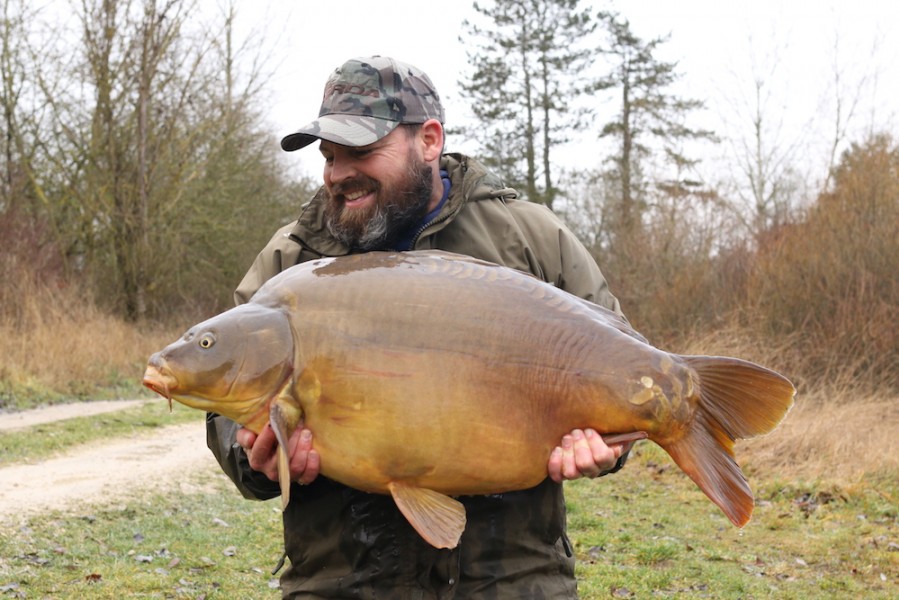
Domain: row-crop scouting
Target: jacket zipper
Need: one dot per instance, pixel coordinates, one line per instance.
(439, 219)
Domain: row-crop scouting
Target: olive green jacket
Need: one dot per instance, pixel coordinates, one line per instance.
(343, 543)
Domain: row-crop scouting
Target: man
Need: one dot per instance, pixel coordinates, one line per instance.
(388, 185)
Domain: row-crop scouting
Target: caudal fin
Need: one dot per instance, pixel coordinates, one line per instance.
(737, 400)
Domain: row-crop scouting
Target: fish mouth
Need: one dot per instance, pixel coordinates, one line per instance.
(160, 380)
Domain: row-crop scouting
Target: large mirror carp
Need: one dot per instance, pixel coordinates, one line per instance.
(426, 375)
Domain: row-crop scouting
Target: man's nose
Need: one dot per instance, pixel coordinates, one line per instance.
(340, 169)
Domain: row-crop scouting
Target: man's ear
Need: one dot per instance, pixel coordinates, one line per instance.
(431, 136)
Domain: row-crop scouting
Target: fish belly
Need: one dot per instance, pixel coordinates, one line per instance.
(463, 431)
(454, 375)
(475, 420)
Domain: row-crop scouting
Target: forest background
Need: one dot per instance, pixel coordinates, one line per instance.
(140, 176)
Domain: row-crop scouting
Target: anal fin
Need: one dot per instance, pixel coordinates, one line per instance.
(437, 518)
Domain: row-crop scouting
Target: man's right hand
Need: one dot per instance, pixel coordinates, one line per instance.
(262, 452)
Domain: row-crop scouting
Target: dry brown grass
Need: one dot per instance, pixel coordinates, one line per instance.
(57, 344)
(838, 430)
(829, 435)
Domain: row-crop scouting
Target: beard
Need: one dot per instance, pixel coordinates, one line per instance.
(397, 208)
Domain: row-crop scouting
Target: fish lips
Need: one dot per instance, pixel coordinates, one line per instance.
(160, 379)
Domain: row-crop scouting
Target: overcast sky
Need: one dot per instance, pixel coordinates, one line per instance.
(795, 47)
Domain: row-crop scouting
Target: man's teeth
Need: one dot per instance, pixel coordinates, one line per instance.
(355, 195)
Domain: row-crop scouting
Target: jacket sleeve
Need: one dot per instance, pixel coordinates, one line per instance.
(558, 257)
(220, 438)
(580, 275)
(220, 431)
(280, 253)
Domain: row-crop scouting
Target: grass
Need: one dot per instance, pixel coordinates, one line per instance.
(644, 532)
(649, 532)
(203, 545)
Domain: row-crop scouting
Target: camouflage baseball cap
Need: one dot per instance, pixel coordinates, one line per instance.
(365, 99)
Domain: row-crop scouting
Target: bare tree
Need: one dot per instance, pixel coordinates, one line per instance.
(846, 96)
(19, 114)
(764, 148)
(135, 132)
(139, 95)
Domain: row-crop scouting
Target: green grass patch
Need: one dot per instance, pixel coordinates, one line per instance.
(648, 531)
(210, 544)
(43, 441)
(31, 392)
(15, 395)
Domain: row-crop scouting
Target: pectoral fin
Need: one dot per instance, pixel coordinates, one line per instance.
(282, 428)
(436, 517)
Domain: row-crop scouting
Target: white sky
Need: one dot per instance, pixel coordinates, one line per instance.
(716, 43)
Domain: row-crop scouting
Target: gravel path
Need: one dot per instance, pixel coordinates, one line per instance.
(103, 472)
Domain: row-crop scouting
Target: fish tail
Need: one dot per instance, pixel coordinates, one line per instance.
(737, 400)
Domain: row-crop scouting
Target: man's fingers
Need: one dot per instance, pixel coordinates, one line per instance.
(263, 454)
(569, 461)
(245, 439)
(603, 456)
(312, 468)
(266, 442)
(589, 456)
(300, 444)
(554, 467)
(585, 453)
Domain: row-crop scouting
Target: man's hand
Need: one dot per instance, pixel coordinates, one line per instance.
(262, 452)
(583, 453)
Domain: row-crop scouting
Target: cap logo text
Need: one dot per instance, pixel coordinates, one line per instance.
(351, 88)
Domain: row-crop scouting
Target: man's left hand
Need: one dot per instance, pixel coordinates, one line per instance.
(583, 453)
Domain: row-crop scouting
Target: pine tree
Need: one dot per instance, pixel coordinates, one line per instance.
(522, 86)
(648, 111)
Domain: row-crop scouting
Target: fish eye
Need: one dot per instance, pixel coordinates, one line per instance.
(207, 341)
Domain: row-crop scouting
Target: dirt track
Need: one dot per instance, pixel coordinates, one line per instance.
(102, 472)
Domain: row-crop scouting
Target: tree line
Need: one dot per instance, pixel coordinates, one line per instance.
(133, 150)
(683, 254)
(136, 163)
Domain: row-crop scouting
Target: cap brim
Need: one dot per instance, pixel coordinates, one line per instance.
(346, 130)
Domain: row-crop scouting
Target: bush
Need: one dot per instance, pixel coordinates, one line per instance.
(830, 280)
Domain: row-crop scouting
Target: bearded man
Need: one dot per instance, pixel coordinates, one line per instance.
(387, 185)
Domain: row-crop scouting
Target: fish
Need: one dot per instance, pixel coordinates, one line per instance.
(428, 375)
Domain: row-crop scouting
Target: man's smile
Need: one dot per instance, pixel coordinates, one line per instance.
(358, 198)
